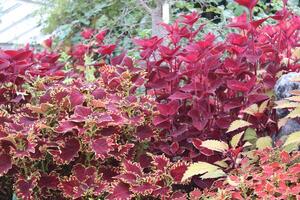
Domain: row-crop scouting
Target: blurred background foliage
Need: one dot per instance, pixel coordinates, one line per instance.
(126, 19)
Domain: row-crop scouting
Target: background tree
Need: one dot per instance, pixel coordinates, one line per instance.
(126, 19)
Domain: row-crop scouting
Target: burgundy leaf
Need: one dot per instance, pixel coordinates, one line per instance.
(5, 163)
(76, 98)
(102, 147)
(120, 191)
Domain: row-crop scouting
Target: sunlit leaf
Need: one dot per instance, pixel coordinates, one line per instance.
(264, 142)
(238, 124)
(215, 145)
(199, 168)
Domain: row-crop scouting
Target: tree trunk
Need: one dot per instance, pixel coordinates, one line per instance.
(156, 17)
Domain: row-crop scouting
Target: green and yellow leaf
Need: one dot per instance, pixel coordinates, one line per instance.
(293, 138)
(295, 113)
(215, 145)
(238, 124)
(250, 135)
(264, 142)
(236, 139)
(199, 168)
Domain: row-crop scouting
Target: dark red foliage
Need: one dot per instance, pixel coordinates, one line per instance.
(105, 125)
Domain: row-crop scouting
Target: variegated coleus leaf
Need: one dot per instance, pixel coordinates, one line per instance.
(101, 147)
(5, 163)
(119, 191)
(84, 181)
(67, 152)
(24, 187)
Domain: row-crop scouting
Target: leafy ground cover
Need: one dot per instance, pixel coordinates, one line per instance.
(182, 120)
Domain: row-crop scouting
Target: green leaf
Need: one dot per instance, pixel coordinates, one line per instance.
(199, 168)
(215, 145)
(236, 139)
(250, 135)
(214, 174)
(238, 124)
(264, 142)
(293, 138)
(295, 113)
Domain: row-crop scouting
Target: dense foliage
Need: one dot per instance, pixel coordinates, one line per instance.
(87, 123)
(126, 19)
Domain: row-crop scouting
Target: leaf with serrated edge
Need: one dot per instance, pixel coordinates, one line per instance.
(198, 168)
(294, 92)
(295, 113)
(286, 104)
(251, 110)
(215, 145)
(263, 106)
(238, 124)
(214, 174)
(293, 138)
(294, 98)
(236, 139)
(250, 135)
(264, 142)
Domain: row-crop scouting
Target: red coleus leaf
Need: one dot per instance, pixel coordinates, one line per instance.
(190, 19)
(241, 86)
(134, 168)
(66, 126)
(143, 189)
(240, 22)
(5, 163)
(67, 152)
(148, 43)
(170, 108)
(84, 174)
(119, 191)
(177, 171)
(48, 42)
(49, 181)
(68, 188)
(180, 96)
(128, 178)
(24, 188)
(247, 3)
(87, 33)
(102, 147)
(76, 98)
(160, 163)
(144, 132)
(197, 143)
(100, 36)
(107, 49)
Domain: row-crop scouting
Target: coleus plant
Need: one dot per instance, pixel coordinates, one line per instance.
(203, 83)
(92, 124)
